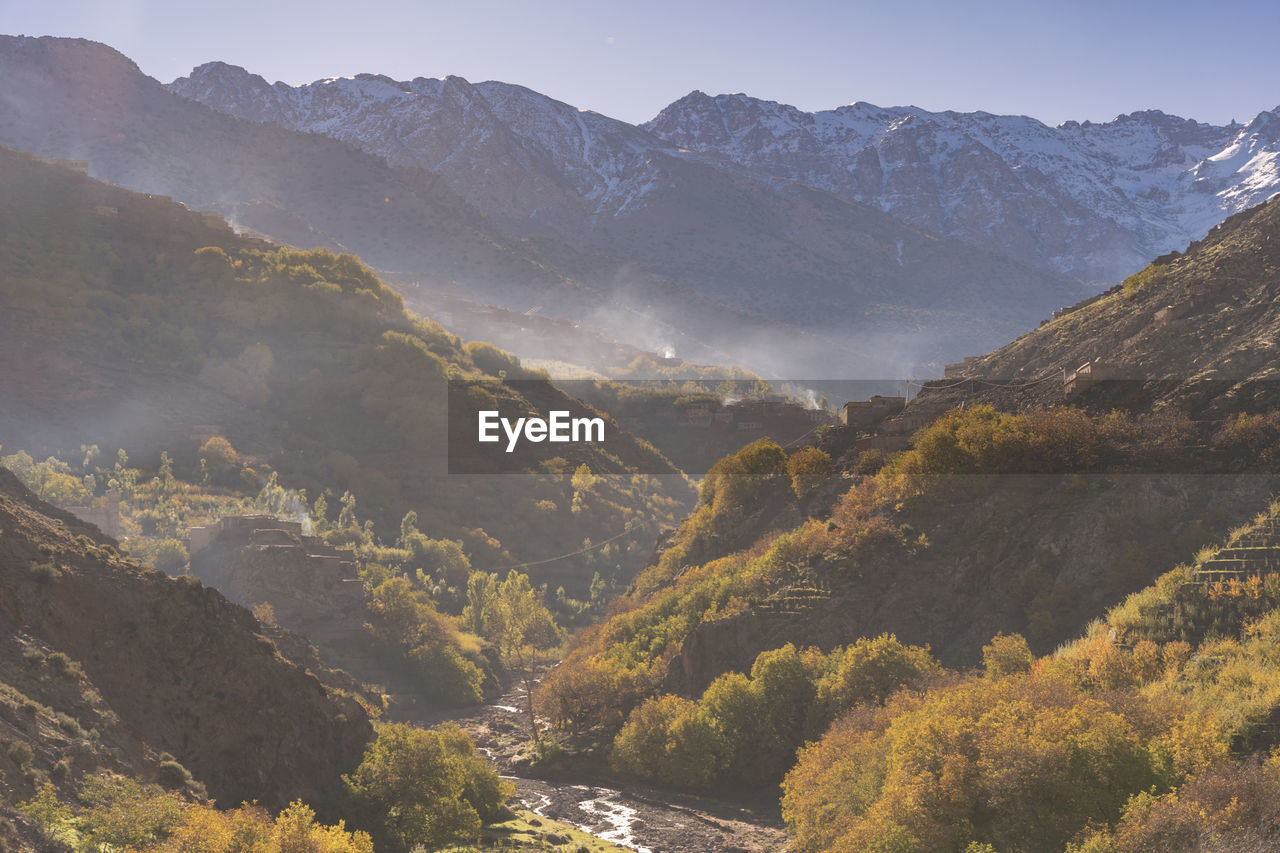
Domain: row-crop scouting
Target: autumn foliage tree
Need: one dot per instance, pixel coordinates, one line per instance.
(426, 787)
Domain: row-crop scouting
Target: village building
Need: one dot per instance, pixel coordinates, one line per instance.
(254, 559)
(883, 443)
(905, 424)
(106, 516)
(1088, 375)
(865, 414)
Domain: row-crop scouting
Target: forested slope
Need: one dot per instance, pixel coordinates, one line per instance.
(134, 323)
(1014, 508)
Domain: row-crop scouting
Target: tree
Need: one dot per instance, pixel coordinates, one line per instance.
(220, 459)
(868, 671)
(668, 740)
(808, 467)
(521, 627)
(405, 618)
(1006, 654)
(482, 593)
(167, 481)
(426, 787)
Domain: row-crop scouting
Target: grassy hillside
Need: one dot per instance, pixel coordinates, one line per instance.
(1031, 523)
(1154, 730)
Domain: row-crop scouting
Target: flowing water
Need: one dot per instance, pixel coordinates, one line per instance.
(643, 819)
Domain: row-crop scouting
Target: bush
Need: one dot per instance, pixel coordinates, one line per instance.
(449, 676)
(1140, 281)
(666, 740)
(69, 724)
(1021, 763)
(169, 556)
(1006, 655)
(44, 573)
(65, 666)
(172, 775)
(20, 753)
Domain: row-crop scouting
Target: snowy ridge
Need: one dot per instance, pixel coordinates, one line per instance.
(504, 147)
(1095, 200)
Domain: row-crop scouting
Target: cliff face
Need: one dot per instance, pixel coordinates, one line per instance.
(182, 669)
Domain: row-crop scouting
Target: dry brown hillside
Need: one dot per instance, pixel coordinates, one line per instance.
(1199, 330)
(107, 665)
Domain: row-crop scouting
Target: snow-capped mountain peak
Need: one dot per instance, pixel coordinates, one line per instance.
(1094, 199)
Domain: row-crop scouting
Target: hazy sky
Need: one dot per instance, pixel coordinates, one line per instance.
(1087, 59)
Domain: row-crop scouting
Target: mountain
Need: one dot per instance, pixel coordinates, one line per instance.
(82, 100)
(76, 99)
(112, 666)
(131, 322)
(1005, 498)
(1093, 200)
(742, 239)
(1193, 332)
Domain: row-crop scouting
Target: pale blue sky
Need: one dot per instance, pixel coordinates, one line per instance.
(1055, 61)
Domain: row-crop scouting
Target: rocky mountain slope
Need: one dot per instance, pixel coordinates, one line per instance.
(742, 239)
(1022, 504)
(1094, 200)
(1196, 330)
(113, 664)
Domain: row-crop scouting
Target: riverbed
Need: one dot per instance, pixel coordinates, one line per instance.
(642, 818)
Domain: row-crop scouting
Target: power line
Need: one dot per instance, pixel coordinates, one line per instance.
(565, 556)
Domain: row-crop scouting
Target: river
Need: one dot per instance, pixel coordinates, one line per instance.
(644, 819)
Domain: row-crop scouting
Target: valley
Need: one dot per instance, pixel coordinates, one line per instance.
(400, 465)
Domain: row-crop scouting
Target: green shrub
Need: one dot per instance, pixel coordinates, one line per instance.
(1140, 281)
(169, 556)
(44, 573)
(808, 468)
(172, 775)
(426, 787)
(65, 666)
(20, 753)
(69, 724)
(1006, 655)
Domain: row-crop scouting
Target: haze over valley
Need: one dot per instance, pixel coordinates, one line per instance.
(862, 479)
